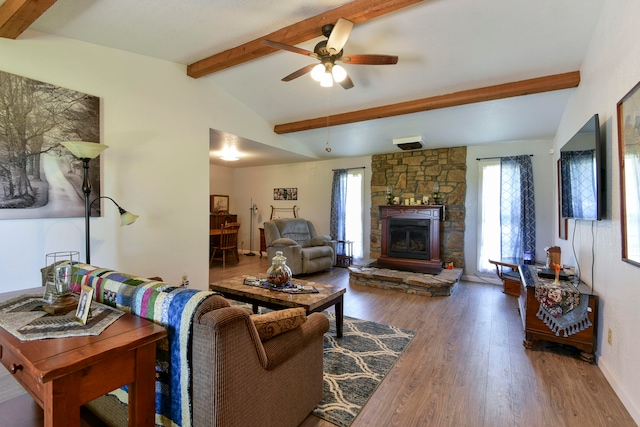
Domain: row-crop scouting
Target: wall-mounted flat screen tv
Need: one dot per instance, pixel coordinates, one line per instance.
(581, 173)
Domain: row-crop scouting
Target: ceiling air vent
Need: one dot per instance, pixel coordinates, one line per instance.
(408, 143)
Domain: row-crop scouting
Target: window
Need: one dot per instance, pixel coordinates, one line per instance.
(507, 221)
(489, 215)
(354, 226)
(346, 208)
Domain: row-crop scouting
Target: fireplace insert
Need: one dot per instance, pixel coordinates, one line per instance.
(409, 238)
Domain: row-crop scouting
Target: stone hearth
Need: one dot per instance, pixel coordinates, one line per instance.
(441, 284)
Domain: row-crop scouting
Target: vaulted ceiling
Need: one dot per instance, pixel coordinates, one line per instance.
(469, 72)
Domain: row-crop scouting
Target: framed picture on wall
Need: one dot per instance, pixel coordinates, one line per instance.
(285, 194)
(37, 173)
(219, 203)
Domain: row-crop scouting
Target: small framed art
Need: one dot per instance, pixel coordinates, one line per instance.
(84, 304)
(285, 194)
(219, 204)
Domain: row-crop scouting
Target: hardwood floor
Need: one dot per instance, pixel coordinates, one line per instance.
(465, 367)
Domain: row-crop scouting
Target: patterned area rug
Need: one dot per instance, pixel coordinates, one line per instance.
(356, 364)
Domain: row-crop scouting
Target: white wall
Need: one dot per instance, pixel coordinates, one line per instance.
(221, 182)
(156, 121)
(543, 183)
(313, 181)
(611, 69)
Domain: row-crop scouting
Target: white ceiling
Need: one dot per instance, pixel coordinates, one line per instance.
(444, 46)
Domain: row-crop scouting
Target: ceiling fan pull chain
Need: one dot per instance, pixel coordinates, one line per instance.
(328, 149)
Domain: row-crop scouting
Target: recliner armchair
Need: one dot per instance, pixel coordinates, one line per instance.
(305, 250)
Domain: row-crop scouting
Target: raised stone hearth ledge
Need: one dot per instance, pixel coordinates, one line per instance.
(405, 281)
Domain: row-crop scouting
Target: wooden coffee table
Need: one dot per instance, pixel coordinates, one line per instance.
(328, 295)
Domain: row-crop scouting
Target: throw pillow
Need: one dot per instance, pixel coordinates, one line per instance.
(277, 322)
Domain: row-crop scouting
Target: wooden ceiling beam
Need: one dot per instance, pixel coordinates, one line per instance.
(17, 15)
(357, 11)
(490, 93)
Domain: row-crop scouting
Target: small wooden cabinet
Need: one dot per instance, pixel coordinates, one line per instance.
(510, 277)
(216, 221)
(535, 329)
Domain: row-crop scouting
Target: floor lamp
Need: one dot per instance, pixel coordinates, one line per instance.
(86, 151)
(254, 211)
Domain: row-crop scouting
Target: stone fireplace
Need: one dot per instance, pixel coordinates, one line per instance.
(413, 174)
(411, 238)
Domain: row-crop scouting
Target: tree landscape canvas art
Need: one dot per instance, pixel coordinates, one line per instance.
(39, 178)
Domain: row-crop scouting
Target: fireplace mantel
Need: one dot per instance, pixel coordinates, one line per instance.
(433, 213)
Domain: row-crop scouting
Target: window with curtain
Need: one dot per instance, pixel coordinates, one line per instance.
(347, 199)
(507, 210)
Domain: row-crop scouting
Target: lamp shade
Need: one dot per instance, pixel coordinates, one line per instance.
(317, 72)
(127, 218)
(339, 73)
(85, 150)
(327, 80)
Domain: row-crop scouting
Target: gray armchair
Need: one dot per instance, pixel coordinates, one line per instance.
(306, 252)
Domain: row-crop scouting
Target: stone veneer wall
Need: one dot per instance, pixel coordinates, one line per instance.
(413, 174)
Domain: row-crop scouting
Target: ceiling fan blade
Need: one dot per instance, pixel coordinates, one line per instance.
(278, 45)
(370, 59)
(347, 83)
(302, 71)
(339, 36)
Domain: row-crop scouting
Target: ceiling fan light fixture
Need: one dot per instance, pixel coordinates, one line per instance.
(339, 73)
(327, 80)
(317, 72)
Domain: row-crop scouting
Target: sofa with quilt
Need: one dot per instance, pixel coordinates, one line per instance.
(220, 365)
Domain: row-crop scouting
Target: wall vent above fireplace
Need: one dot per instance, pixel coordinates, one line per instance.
(408, 143)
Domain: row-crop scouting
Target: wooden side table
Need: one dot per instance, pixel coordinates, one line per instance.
(344, 255)
(62, 374)
(511, 278)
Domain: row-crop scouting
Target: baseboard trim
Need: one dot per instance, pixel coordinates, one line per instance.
(628, 402)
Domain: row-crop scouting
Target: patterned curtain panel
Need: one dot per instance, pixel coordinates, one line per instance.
(338, 204)
(517, 207)
(578, 184)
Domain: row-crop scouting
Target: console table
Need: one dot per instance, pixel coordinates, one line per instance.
(62, 374)
(535, 329)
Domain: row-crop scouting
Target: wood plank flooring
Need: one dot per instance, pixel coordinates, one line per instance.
(466, 365)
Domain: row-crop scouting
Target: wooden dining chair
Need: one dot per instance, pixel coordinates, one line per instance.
(227, 242)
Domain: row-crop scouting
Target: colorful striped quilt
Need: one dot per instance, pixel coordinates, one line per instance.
(170, 306)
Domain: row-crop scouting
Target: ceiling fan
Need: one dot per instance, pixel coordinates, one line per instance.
(328, 52)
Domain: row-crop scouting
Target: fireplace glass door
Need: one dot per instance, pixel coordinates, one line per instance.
(409, 238)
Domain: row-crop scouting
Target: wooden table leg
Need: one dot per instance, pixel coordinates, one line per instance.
(339, 316)
(142, 396)
(61, 402)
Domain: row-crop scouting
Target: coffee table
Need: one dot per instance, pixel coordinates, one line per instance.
(328, 295)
